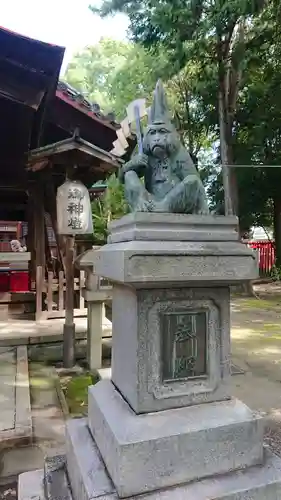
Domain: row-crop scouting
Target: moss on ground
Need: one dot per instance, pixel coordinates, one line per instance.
(270, 304)
(75, 389)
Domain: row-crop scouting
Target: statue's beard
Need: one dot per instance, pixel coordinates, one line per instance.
(159, 151)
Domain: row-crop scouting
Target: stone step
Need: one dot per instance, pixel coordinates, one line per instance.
(24, 332)
(254, 483)
(15, 418)
(56, 483)
(173, 446)
(33, 486)
(87, 475)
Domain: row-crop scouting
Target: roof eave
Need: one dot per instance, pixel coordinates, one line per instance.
(54, 151)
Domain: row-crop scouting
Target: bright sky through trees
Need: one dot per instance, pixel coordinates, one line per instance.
(63, 22)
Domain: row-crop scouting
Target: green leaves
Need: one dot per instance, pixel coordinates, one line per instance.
(113, 73)
(200, 47)
(111, 205)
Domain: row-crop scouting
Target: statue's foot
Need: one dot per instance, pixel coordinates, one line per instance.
(203, 211)
(161, 207)
(145, 206)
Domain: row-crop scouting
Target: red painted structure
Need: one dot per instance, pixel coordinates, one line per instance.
(11, 280)
(9, 230)
(266, 252)
(14, 281)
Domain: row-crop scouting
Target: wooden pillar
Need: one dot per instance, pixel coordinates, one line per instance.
(52, 209)
(39, 232)
(69, 326)
(48, 255)
(30, 241)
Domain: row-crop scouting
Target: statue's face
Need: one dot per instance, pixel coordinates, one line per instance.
(160, 141)
(15, 246)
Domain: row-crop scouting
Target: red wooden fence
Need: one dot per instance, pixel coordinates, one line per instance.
(266, 252)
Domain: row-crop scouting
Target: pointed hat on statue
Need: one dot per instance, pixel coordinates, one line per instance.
(159, 113)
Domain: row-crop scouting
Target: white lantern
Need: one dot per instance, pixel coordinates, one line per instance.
(74, 212)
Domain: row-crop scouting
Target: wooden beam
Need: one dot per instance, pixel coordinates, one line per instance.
(40, 272)
(11, 207)
(51, 206)
(39, 213)
(82, 109)
(48, 254)
(10, 88)
(99, 133)
(10, 187)
(71, 145)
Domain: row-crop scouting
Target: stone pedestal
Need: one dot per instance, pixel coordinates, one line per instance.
(166, 448)
(166, 426)
(171, 304)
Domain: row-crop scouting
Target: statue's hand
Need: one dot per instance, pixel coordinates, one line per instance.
(140, 160)
(137, 164)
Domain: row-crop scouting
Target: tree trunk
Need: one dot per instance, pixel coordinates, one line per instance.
(228, 171)
(277, 229)
(224, 156)
(229, 77)
(225, 125)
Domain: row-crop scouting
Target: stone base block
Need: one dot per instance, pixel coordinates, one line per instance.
(148, 452)
(147, 248)
(256, 483)
(87, 474)
(144, 334)
(89, 479)
(142, 226)
(56, 484)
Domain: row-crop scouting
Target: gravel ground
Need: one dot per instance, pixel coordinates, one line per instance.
(9, 492)
(273, 438)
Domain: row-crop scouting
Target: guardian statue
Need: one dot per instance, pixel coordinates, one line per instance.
(163, 178)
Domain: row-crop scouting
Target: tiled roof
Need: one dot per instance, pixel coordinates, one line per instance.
(91, 108)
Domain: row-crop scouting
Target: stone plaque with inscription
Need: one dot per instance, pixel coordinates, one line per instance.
(184, 345)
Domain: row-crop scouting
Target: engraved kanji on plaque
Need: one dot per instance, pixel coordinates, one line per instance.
(184, 345)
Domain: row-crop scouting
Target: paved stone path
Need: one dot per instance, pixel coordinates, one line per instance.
(48, 426)
(15, 332)
(7, 391)
(22, 332)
